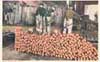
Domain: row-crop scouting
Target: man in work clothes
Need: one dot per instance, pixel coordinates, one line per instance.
(68, 21)
(49, 16)
(40, 19)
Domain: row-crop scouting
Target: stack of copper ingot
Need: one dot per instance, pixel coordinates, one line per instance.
(68, 46)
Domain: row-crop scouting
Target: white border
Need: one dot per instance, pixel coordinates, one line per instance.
(0, 30)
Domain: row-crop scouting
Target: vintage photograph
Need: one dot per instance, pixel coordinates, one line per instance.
(50, 30)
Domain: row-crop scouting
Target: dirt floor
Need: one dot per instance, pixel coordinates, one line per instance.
(10, 54)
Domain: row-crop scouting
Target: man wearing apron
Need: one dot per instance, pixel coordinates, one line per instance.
(68, 21)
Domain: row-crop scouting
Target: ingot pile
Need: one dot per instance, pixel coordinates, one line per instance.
(68, 46)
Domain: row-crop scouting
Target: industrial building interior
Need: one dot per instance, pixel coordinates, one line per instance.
(22, 13)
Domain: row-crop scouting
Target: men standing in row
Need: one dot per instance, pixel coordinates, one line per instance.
(44, 18)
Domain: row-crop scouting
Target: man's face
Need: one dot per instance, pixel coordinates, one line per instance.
(53, 8)
(41, 5)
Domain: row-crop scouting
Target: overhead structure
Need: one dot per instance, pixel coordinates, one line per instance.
(67, 3)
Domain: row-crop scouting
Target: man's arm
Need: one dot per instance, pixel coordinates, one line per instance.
(76, 14)
(38, 11)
